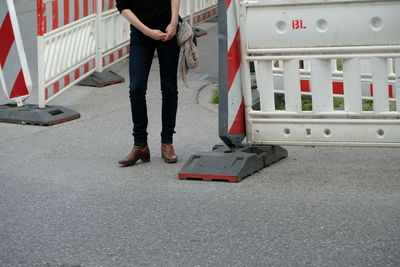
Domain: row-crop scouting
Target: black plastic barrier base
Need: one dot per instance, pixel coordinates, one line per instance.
(224, 164)
(32, 114)
(101, 79)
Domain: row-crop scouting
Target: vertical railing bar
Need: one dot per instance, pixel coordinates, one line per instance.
(380, 85)
(321, 85)
(291, 85)
(352, 85)
(265, 85)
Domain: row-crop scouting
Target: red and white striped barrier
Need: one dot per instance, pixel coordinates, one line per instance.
(75, 39)
(236, 122)
(14, 73)
(66, 45)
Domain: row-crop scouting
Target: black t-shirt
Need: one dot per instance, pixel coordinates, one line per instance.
(155, 14)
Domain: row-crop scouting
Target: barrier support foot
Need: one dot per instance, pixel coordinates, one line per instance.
(101, 79)
(32, 114)
(224, 164)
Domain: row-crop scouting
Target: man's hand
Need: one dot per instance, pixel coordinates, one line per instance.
(156, 34)
(170, 31)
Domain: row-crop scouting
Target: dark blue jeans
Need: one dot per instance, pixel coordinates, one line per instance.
(140, 59)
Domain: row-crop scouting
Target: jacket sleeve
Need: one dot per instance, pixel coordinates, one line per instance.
(122, 4)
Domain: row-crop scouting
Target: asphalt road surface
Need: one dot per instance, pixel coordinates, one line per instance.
(64, 201)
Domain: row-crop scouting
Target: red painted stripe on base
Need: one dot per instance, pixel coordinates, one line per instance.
(112, 58)
(209, 177)
(234, 59)
(120, 53)
(7, 39)
(19, 88)
(54, 7)
(238, 125)
(46, 93)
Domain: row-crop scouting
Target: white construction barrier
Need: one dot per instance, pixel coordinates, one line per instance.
(66, 45)
(320, 34)
(15, 80)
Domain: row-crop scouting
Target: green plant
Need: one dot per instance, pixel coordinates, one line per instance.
(306, 103)
(215, 97)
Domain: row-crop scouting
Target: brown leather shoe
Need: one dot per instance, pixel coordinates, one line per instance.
(138, 152)
(168, 153)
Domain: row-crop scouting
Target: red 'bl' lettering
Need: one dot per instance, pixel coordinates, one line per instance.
(297, 24)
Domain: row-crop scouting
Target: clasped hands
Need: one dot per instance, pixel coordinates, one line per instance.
(158, 35)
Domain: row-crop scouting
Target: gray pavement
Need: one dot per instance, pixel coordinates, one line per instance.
(65, 202)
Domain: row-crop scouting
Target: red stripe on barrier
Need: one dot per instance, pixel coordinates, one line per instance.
(338, 88)
(77, 74)
(7, 36)
(112, 58)
(40, 19)
(19, 88)
(54, 8)
(94, 4)
(228, 3)
(234, 59)
(238, 126)
(305, 85)
(85, 8)
(46, 93)
(76, 10)
(66, 12)
(67, 80)
(56, 88)
(120, 53)
(86, 68)
(390, 90)
(110, 4)
(103, 6)
(104, 62)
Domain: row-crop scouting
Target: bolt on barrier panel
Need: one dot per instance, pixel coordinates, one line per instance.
(14, 73)
(335, 66)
